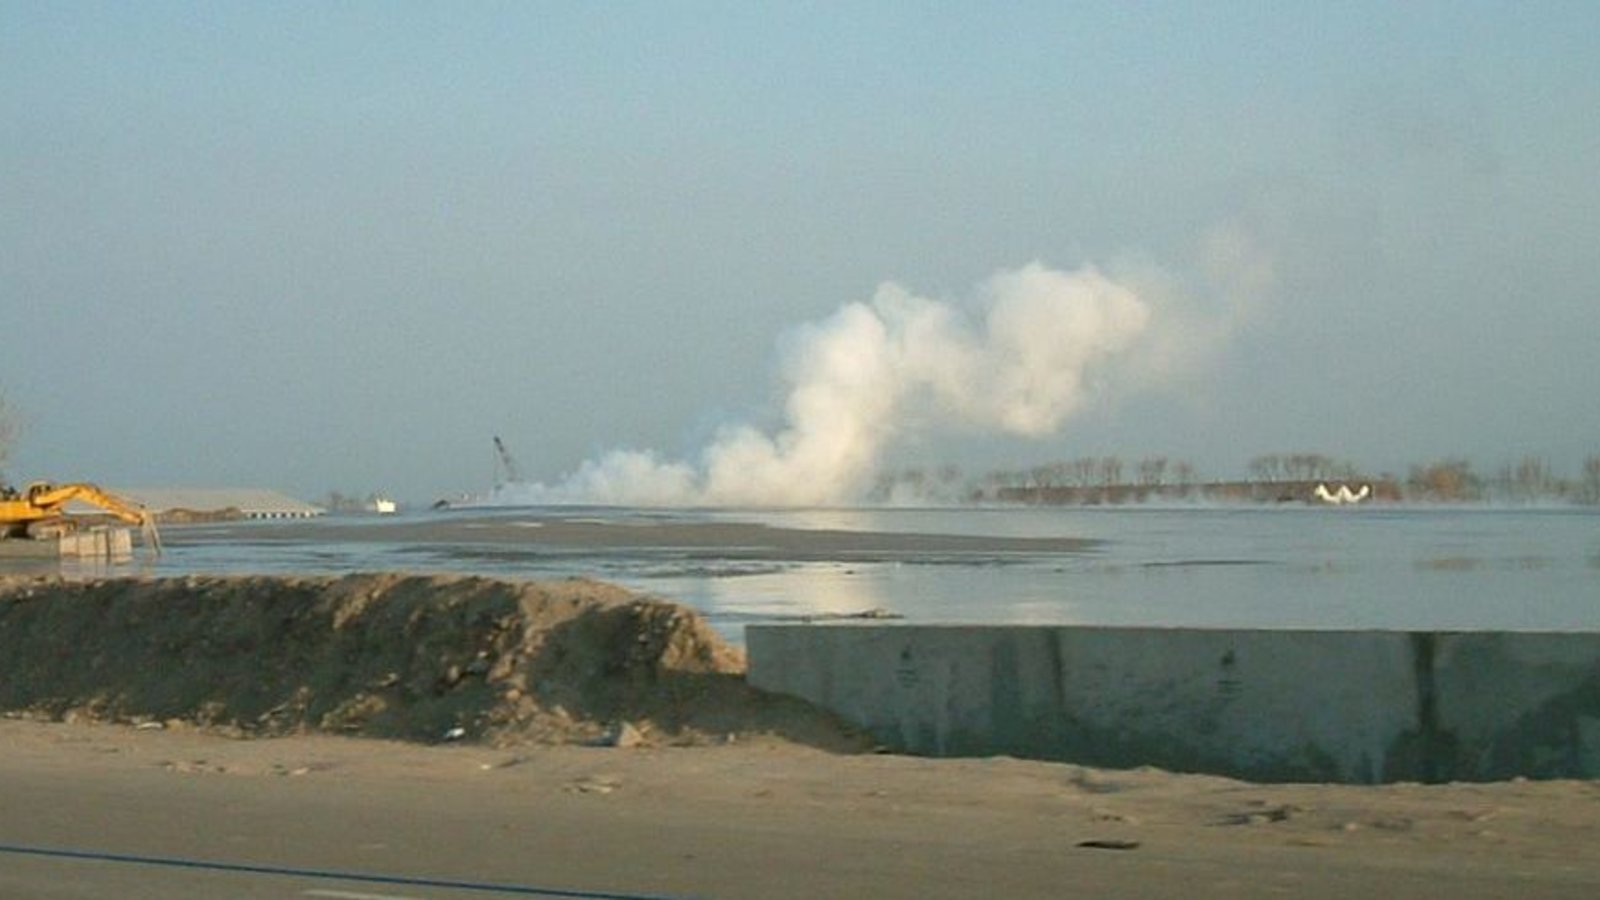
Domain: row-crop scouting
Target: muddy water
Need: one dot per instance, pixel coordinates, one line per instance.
(1372, 567)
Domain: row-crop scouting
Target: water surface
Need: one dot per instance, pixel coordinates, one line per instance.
(1267, 567)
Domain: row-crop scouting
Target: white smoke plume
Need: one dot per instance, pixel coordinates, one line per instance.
(1020, 360)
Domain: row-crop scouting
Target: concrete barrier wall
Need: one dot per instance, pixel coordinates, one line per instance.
(1352, 706)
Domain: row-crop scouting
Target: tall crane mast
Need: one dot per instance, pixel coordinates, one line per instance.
(504, 460)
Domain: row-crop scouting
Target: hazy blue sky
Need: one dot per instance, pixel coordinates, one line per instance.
(338, 246)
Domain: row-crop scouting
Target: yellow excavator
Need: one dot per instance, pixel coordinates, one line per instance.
(39, 512)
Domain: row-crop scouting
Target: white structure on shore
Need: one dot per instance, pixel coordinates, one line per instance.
(1342, 495)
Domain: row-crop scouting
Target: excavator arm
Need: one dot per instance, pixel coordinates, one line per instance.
(49, 499)
(43, 504)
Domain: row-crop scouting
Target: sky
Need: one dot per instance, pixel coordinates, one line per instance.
(657, 247)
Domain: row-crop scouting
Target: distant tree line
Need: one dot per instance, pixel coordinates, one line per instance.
(1301, 467)
(1277, 476)
(1530, 480)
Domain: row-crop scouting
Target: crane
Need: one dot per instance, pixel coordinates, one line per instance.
(506, 461)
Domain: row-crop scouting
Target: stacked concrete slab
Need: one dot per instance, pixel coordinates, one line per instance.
(109, 544)
(1351, 706)
(101, 544)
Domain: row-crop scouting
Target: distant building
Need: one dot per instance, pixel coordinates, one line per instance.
(251, 503)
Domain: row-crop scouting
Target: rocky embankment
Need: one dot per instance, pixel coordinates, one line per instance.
(426, 658)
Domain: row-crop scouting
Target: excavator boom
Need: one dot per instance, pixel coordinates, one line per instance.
(49, 499)
(41, 510)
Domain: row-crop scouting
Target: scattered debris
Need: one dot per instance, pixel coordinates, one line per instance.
(595, 784)
(1264, 816)
(622, 734)
(1108, 844)
(874, 614)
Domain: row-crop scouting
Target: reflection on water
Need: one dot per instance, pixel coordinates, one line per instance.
(1284, 568)
(820, 590)
(1247, 567)
(73, 568)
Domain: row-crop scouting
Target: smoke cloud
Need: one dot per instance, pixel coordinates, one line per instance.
(1022, 359)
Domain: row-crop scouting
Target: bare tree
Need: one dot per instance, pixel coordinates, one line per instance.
(992, 483)
(1297, 466)
(1446, 480)
(1083, 471)
(1152, 471)
(1309, 467)
(1531, 478)
(8, 433)
(1110, 471)
(1060, 473)
(1183, 471)
(1591, 480)
(1266, 468)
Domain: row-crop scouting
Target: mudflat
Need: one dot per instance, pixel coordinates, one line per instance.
(727, 540)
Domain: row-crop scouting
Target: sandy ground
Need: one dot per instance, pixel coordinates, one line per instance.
(764, 818)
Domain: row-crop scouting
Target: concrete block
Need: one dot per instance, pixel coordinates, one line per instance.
(104, 544)
(1513, 704)
(1349, 706)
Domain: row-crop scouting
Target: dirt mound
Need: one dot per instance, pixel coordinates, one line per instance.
(400, 656)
